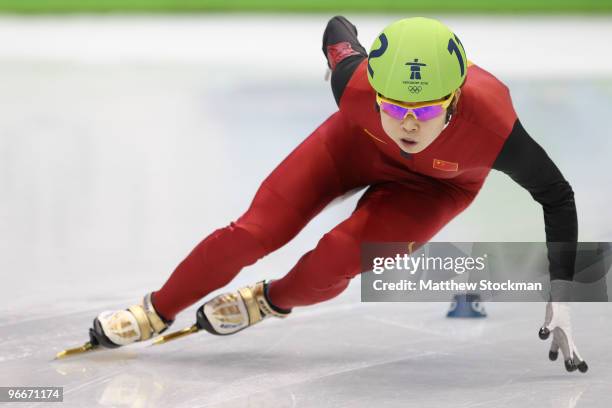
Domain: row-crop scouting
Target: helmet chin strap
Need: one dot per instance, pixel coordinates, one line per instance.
(445, 125)
(450, 111)
(449, 116)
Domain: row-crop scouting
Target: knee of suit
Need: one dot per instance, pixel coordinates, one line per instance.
(230, 248)
(273, 227)
(269, 236)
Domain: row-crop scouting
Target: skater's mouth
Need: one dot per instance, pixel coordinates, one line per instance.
(408, 142)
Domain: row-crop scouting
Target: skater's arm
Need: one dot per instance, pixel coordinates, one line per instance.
(528, 164)
(343, 52)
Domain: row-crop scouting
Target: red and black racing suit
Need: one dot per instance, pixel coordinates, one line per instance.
(410, 196)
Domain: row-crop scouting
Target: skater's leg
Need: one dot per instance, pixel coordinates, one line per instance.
(299, 188)
(410, 212)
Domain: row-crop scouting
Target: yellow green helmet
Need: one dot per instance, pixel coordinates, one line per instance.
(416, 60)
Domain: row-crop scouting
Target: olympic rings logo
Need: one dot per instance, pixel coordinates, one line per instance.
(415, 88)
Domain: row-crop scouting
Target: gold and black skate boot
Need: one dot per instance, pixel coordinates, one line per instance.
(229, 313)
(140, 322)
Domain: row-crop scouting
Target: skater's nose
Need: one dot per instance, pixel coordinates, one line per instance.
(410, 124)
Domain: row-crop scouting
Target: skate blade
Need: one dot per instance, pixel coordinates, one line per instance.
(176, 335)
(77, 350)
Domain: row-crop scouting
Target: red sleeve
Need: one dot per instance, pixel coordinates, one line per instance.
(488, 102)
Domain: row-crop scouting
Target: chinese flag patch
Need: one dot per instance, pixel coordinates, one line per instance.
(444, 165)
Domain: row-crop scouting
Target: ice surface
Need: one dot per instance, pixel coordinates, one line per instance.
(114, 163)
(344, 353)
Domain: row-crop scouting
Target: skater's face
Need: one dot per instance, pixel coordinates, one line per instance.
(413, 135)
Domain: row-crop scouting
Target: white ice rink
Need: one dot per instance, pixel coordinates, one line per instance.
(126, 140)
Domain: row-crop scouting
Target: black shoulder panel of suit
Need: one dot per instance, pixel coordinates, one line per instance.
(528, 164)
(344, 62)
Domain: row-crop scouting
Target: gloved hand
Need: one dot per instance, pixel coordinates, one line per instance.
(558, 322)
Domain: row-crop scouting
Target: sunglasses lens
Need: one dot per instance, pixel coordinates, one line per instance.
(395, 111)
(428, 112)
(424, 113)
